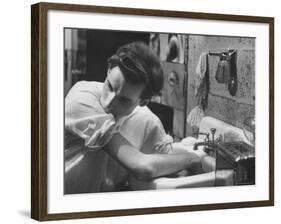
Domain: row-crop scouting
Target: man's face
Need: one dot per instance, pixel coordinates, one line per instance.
(119, 97)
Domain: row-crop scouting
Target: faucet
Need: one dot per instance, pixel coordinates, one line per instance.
(203, 133)
(212, 144)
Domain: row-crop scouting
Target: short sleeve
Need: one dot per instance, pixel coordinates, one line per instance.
(144, 130)
(157, 137)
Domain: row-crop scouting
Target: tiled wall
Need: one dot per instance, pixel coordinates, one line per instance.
(221, 105)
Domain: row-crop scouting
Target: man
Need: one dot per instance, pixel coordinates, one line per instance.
(112, 119)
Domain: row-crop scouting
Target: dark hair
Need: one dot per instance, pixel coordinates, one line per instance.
(139, 65)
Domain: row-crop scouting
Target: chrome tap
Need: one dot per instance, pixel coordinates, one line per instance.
(204, 133)
(213, 131)
(211, 144)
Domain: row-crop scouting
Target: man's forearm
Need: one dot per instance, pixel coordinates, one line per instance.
(165, 164)
(148, 166)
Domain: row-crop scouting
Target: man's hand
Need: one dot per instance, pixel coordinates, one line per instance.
(195, 166)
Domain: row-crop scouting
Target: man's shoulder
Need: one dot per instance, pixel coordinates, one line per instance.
(83, 89)
(139, 126)
(92, 86)
(146, 115)
(83, 98)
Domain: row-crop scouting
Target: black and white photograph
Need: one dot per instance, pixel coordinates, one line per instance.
(153, 111)
(138, 111)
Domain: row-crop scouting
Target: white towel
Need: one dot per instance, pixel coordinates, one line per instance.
(195, 116)
(85, 117)
(96, 130)
(201, 70)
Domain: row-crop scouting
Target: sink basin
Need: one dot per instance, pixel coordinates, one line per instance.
(200, 180)
(206, 179)
(209, 177)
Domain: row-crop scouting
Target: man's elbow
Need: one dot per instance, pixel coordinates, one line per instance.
(144, 172)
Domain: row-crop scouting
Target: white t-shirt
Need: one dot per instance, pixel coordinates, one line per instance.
(85, 117)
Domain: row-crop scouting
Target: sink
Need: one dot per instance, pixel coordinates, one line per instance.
(209, 177)
(206, 179)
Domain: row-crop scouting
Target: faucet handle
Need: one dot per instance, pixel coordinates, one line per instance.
(213, 131)
(207, 139)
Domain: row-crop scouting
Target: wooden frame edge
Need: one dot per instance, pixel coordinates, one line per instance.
(35, 190)
(271, 111)
(39, 110)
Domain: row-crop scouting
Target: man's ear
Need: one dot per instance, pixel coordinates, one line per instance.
(144, 102)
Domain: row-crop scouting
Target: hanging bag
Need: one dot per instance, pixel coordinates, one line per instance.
(223, 70)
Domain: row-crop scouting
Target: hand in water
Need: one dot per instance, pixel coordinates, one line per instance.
(195, 166)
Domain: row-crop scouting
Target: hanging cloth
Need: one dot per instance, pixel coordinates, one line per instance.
(202, 81)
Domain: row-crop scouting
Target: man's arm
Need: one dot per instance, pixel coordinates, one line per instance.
(148, 166)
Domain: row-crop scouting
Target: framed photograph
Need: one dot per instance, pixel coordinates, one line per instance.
(139, 111)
